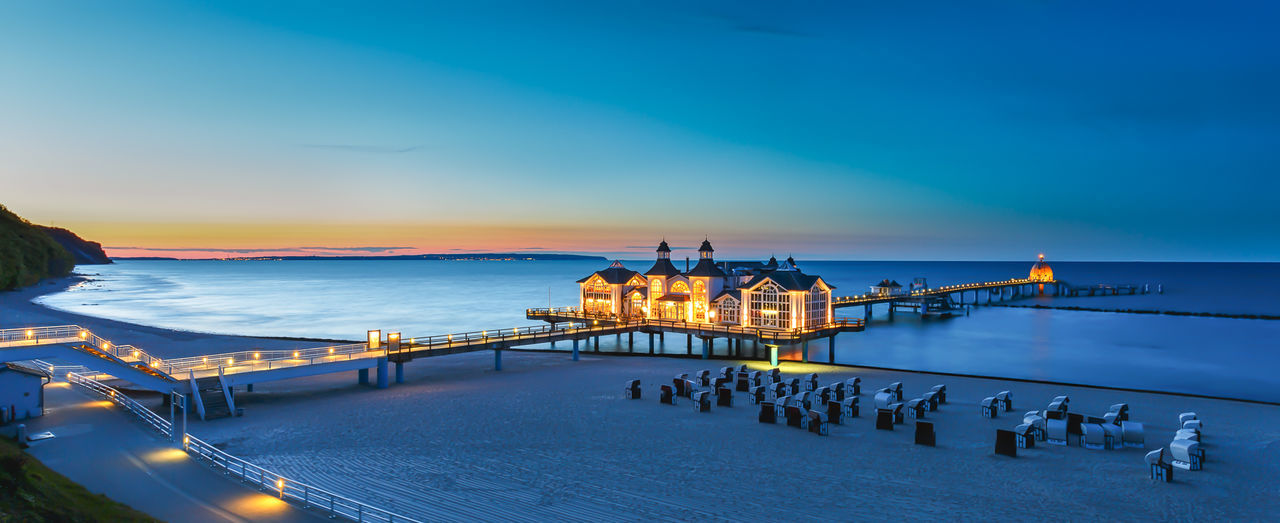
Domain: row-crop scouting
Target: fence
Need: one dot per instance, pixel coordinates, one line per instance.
(287, 489)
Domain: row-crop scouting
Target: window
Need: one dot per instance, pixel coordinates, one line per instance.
(680, 287)
(637, 305)
(597, 297)
(699, 301)
(655, 289)
(815, 307)
(728, 310)
(769, 306)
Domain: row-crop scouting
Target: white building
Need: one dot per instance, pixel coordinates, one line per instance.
(21, 392)
(752, 294)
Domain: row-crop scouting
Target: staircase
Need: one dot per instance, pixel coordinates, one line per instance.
(214, 400)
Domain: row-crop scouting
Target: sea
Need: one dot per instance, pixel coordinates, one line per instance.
(1225, 353)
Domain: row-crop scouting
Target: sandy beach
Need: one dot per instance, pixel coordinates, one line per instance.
(551, 438)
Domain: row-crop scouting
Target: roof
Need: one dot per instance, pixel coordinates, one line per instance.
(662, 267)
(790, 280)
(616, 274)
(674, 297)
(644, 291)
(706, 246)
(888, 283)
(24, 370)
(706, 268)
(663, 247)
(735, 294)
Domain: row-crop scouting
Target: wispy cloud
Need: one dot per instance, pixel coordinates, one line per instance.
(354, 148)
(257, 250)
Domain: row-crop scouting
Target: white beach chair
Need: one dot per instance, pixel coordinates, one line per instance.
(989, 407)
(1132, 434)
(1055, 431)
(883, 399)
(896, 389)
(775, 375)
(818, 423)
(1185, 417)
(1187, 434)
(896, 409)
(703, 378)
(780, 406)
(1186, 454)
(1112, 437)
(1159, 469)
(702, 401)
(930, 401)
(1037, 424)
(753, 378)
(726, 372)
(758, 394)
(942, 393)
(824, 395)
(1062, 399)
(1025, 436)
(632, 391)
(916, 408)
(777, 390)
(1005, 400)
(1117, 413)
(1194, 424)
(811, 382)
(849, 407)
(1093, 436)
(853, 387)
(805, 399)
(793, 385)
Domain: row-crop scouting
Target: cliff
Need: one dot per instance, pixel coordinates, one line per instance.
(27, 254)
(84, 251)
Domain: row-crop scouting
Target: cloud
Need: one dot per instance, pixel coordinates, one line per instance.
(376, 149)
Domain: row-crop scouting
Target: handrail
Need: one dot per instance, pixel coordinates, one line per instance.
(286, 488)
(945, 289)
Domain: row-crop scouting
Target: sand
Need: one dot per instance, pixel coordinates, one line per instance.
(551, 438)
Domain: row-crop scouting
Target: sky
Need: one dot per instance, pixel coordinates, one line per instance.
(842, 130)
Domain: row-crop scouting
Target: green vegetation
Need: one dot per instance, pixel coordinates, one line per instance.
(30, 491)
(28, 254)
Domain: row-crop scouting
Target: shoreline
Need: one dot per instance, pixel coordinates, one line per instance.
(234, 342)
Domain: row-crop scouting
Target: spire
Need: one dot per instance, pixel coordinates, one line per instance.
(617, 264)
(791, 261)
(664, 250)
(704, 252)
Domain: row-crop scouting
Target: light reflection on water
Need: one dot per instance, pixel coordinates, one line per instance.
(342, 299)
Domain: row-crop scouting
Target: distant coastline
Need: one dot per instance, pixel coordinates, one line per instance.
(515, 256)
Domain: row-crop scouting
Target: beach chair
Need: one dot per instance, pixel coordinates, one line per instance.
(775, 376)
(1093, 436)
(689, 387)
(793, 385)
(632, 391)
(767, 413)
(780, 406)
(837, 391)
(1006, 443)
(930, 401)
(1118, 413)
(1025, 436)
(1062, 399)
(1037, 424)
(1131, 434)
(849, 408)
(915, 408)
(884, 419)
(743, 383)
(703, 378)
(818, 423)
(666, 395)
(701, 401)
(1160, 470)
(1005, 400)
(1193, 424)
(755, 377)
(1186, 454)
(678, 385)
(1112, 436)
(835, 412)
(1185, 417)
(1074, 421)
(853, 387)
(811, 382)
(778, 390)
(883, 398)
(989, 407)
(824, 395)
(925, 434)
(896, 409)
(724, 397)
(896, 389)
(797, 417)
(756, 395)
(1055, 431)
(721, 381)
(726, 372)
(805, 399)
(1187, 434)
(1056, 410)
(942, 393)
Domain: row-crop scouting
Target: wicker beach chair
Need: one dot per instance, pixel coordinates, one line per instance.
(824, 395)
(1186, 454)
(1112, 437)
(916, 408)
(756, 394)
(896, 389)
(768, 413)
(1005, 399)
(1093, 437)
(1131, 434)
(632, 391)
(811, 382)
(882, 399)
(1025, 435)
(942, 393)
(1160, 470)
(703, 378)
(818, 423)
(930, 401)
(724, 397)
(853, 387)
(667, 395)
(702, 401)
(989, 407)
(797, 416)
(1055, 431)
(835, 412)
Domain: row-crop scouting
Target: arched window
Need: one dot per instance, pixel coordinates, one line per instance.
(699, 300)
(769, 306)
(597, 297)
(655, 289)
(680, 287)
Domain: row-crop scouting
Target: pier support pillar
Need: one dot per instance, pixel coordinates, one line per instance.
(804, 351)
(399, 372)
(617, 340)
(382, 373)
(650, 343)
(706, 348)
(362, 376)
(597, 344)
(631, 341)
(866, 313)
(831, 349)
(688, 344)
(773, 355)
(575, 350)
(497, 359)
(249, 387)
(890, 311)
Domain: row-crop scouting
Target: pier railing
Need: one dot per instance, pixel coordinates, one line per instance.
(288, 489)
(945, 289)
(73, 334)
(255, 360)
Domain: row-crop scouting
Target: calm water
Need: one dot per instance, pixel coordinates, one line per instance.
(342, 299)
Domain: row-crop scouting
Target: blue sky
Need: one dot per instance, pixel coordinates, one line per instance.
(832, 130)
